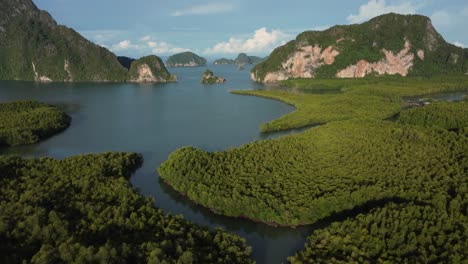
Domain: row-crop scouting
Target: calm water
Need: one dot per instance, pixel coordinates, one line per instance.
(156, 119)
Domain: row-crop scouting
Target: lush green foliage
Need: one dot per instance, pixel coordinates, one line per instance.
(439, 114)
(83, 210)
(156, 66)
(32, 36)
(185, 58)
(322, 108)
(26, 122)
(340, 166)
(395, 233)
(326, 100)
(365, 42)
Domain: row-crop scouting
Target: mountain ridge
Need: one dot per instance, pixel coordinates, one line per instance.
(389, 44)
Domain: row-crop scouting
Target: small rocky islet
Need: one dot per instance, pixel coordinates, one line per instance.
(208, 77)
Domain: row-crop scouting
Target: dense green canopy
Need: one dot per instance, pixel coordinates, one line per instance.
(26, 122)
(83, 210)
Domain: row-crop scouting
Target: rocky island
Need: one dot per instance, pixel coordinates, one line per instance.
(149, 69)
(243, 59)
(185, 59)
(391, 44)
(223, 61)
(208, 77)
(55, 52)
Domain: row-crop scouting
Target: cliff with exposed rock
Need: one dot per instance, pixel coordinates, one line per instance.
(390, 44)
(149, 69)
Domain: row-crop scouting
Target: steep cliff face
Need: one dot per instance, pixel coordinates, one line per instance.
(386, 45)
(391, 64)
(149, 69)
(185, 59)
(34, 47)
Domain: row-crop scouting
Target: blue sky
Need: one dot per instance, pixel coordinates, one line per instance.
(222, 28)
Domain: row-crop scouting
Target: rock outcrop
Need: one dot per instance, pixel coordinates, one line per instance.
(208, 77)
(149, 69)
(391, 64)
(390, 44)
(303, 63)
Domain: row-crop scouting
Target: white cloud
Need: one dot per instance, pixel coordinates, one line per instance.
(206, 9)
(146, 45)
(261, 41)
(164, 48)
(375, 8)
(123, 45)
(461, 45)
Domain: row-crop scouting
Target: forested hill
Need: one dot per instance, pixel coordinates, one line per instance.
(34, 47)
(391, 44)
(185, 59)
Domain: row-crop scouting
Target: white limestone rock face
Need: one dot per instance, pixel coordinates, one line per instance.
(392, 64)
(301, 64)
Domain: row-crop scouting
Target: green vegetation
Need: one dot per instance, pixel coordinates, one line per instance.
(317, 109)
(208, 77)
(395, 233)
(371, 97)
(439, 114)
(367, 40)
(32, 36)
(155, 64)
(223, 61)
(185, 59)
(303, 178)
(394, 192)
(27, 122)
(83, 210)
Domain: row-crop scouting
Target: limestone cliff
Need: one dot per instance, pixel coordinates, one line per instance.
(149, 69)
(390, 44)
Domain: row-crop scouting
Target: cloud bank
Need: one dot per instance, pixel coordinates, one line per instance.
(375, 8)
(262, 41)
(147, 45)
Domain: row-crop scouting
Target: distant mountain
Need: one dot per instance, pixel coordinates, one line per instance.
(149, 69)
(185, 59)
(125, 61)
(243, 58)
(223, 61)
(34, 47)
(385, 45)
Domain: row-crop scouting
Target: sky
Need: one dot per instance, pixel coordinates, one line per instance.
(224, 28)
